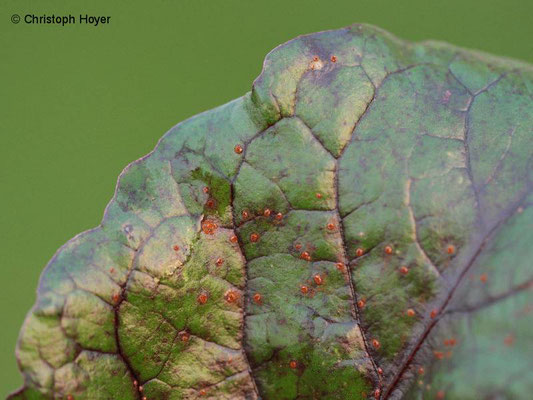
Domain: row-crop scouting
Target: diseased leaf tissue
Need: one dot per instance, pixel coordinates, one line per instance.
(358, 226)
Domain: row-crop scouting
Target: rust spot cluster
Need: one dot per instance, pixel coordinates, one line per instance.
(209, 227)
(450, 342)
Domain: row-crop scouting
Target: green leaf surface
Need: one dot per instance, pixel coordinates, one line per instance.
(357, 226)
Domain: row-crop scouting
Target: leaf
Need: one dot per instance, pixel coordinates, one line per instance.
(356, 226)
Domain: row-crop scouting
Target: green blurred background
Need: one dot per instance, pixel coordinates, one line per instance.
(80, 102)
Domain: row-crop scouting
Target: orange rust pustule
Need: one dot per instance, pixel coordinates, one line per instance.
(116, 297)
(254, 237)
(333, 59)
(304, 289)
(330, 226)
(231, 296)
(433, 313)
(267, 212)
(209, 227)
(293, 364)
(210, 203)
(305, 256)
(176, 247)
(184, 336)
(376, 344)
(388, 249)
(202, 298)
(340, 266)
(205, 189)
(258, 299)
(318, 195)
(359, 252)
(318, 279)
(245, 214)
(450, 342)
(219, 262)
(450, 249)
(361, 303)
(404, 270)
(279, 216)
(410, 312)
(233, 239)
(238, 149)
